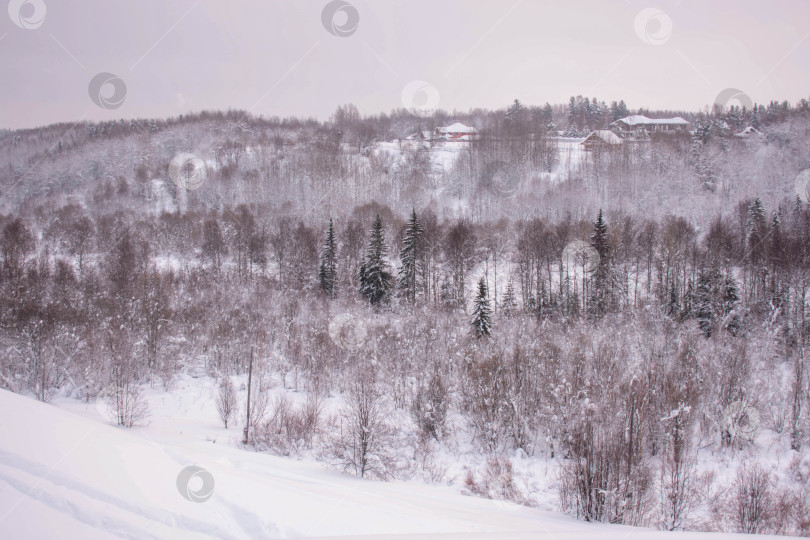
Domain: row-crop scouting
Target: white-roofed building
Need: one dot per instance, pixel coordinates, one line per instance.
(638, 124)
(457, 132)
(601, 138)
(750, 133)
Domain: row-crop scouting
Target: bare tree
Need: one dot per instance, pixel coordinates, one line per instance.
(678, 471)
(227, 401)
(364, 444)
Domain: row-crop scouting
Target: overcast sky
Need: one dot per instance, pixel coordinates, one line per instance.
(277, 57)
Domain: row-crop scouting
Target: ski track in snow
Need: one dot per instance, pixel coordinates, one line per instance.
(66, 476)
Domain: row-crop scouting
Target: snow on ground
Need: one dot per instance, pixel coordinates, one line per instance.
(571, 156)
(66, 473)
(442, 155)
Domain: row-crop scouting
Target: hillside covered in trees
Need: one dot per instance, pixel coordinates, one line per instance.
(618, 333)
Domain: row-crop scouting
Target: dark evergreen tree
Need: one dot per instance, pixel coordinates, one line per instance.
(730, 298)
(756, 232)
(599, 238)
(375, 277)
(715, 299)
(618, 110)
(509, 306)
(481, 322)
(327, 272)
(412, 259)
(688, 302)
(705, 302)
(600, 280)
(755, 119)
(213, 244)
(546, 115)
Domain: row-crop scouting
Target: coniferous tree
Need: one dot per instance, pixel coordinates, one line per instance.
(375, 278)
(600, 280)
(715, 298)
(213, 244)
(411, 256)
(599, 238)
(755, 118)
(756, 232)
(481, 322)
(509, 305)
(776, 258)
(327, 271)
(756, 246)
(688, 301)
(704, 303)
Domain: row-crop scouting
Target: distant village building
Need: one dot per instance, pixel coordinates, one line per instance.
(601, 138)
(418, 141)
(425, 139)
(750, 133)
(638, 125)
(457, 132)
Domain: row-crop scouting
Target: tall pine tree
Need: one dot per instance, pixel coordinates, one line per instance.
(509, 304)
(600, 294)
(482, 323)
(327, 271)
(411, 257)
(375, 278)
(756, 229)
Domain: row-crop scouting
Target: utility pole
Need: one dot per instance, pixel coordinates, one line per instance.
(250, 377)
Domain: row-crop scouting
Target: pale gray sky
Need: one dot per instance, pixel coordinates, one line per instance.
(276, 57)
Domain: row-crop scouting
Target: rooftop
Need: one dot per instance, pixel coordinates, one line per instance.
(638, 120)
(607, 136)
(458, 127)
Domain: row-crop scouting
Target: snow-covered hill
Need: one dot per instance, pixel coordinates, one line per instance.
(68, 475)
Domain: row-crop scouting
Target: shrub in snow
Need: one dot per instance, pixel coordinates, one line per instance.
(606, 476)
(425, 463)
(289, 428)
(429, 407)
(752, 500)
(123, 404)
(498, 482)
(484, 400)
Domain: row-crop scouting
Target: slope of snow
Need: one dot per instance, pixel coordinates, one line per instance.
(65, 475)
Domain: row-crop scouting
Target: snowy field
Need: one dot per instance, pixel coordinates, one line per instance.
(66, 473)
